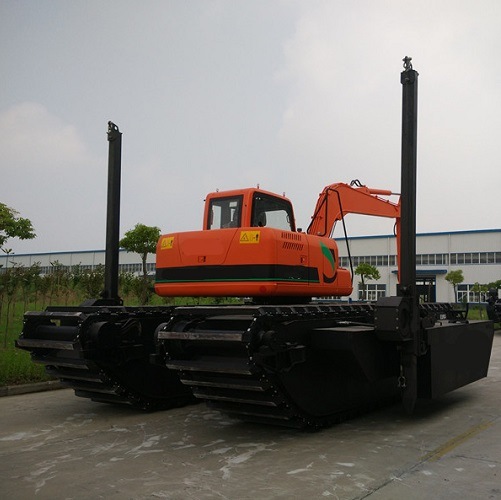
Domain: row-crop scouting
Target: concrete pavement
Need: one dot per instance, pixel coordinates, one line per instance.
(55, 445)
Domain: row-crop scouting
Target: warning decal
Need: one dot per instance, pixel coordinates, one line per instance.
(250, 236)
(167, 243)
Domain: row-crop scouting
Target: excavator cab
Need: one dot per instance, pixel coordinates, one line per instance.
(248, 208)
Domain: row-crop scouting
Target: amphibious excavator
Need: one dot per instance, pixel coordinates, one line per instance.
(283, 356)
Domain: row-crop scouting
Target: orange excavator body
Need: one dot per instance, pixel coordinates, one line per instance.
(249, 246)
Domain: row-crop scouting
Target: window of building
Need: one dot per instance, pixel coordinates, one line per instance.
(371, 291)
(441, 259)
(132, 268)
(431, 259)
(474, 258)
(471, 293)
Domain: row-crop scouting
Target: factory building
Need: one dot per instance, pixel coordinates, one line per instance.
(476, 253)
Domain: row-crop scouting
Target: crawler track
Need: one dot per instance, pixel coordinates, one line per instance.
(103, 354)
(293, 365)
(299, 366)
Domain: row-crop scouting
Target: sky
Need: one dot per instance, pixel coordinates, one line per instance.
(221, 94)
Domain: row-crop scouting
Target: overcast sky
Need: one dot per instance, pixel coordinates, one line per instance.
(221, 94)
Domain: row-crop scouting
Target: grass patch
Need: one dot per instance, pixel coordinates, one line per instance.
(16, 367)
(479, 312)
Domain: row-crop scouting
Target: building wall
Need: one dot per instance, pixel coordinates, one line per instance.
(476, 253)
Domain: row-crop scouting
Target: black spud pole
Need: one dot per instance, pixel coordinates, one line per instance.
(113, 215)
(409, 80)
(407, 286)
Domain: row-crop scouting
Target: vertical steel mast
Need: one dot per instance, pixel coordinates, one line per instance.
(409, 80)
(407, 286)
(110, 292)
(397, 318)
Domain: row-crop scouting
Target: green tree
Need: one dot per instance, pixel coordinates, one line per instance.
(367, 272)
(10, 285)
(142, 240)
(455, 278)
(494, 284)
(90, 281)
(13, 226)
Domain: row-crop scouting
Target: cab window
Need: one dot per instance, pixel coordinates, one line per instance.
(225, 212)
(272, 212)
